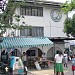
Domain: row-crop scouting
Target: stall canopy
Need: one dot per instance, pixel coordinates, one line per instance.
(72, 42)
(13, 42)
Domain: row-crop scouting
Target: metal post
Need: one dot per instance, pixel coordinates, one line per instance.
(54, 56)
(50, 29)
(21, 49)
(30, 59)
(18, 29)
(1, 51)
(73, 72)
(21, 52)
(1, 40)
(42, 50)
(54, 48)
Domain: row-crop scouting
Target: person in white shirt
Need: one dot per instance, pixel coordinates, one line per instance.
(58, 63)
(24, 58)
(65, 59)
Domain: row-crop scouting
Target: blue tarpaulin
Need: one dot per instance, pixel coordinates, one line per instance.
(12, 42)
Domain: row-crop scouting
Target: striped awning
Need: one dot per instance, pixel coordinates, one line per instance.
(12, 42)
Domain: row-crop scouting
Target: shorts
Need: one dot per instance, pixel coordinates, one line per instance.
(25, 63)
(73, 67)
(58, 67)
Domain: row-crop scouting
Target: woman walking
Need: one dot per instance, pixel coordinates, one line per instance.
(58, 63)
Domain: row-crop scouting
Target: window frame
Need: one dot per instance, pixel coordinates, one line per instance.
(34, 32)
(33, 11)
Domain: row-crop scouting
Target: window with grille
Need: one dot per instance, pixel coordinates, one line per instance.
(31, 11)
(34, 32)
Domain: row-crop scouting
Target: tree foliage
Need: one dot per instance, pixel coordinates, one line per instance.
(6, 17)
(69, 24)
(68, 6)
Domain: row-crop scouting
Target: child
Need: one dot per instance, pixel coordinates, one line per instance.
(65, 59)
(73, 64)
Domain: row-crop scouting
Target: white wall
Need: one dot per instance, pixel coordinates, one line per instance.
(45, 48)
(51, 28)
(56, 27)
(61, 46)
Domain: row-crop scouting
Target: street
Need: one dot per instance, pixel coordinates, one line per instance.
(50, 71)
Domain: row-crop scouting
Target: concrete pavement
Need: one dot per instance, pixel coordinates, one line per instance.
(50, 71)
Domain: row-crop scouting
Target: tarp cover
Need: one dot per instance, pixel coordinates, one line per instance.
(11, 42)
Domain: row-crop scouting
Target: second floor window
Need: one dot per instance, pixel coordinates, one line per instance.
(31, 11)
(34, 32)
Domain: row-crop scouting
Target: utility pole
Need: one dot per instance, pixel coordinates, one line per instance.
(50, 29)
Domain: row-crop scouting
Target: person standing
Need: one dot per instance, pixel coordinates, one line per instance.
(65, 59)
(44, 60)
(58, 63)
(73, 63)
(24, 58)
(44, 56)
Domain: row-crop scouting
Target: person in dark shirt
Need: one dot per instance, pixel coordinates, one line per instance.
(4, 57)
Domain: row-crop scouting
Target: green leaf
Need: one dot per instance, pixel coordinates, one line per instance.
(8, 14)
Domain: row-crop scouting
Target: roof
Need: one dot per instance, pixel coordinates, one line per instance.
(12, 42)
(41, 2)
(57, 39)
(44, 2)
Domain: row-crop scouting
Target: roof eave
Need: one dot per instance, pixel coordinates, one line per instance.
(40, 2)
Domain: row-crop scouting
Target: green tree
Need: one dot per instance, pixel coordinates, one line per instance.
(6, 17)
(68, 6)
(69, 24)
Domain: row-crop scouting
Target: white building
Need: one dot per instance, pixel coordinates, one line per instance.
(46, 19)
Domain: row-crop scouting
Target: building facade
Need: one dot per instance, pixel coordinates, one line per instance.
(46, 20)
(45, 17)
